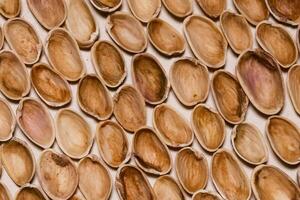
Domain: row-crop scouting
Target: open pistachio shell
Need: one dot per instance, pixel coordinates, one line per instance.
(94, 98)
(14, 77)
(77, 196)
(255, 11)
(206, 195)
(237, 31)
(190, 81)
(127, 32)
(63, 54)
(206, 40)
(293, 85)
(94, 179)
(261, 80)
(191, 169)
(171, 127)
(108, 62)
(106, 5)
(81, 23)
(73, 134)
(11, 8)
(144, 10)
(36, 122)
(112, 143)
(7, 119)
(249, 145)
(30, 192)
(18, 161)
(4, 192)
(150, 78)
(131, 183)
(52, 88)
(150, 153)
(57, 175)
(229, 97)
(284, 137)
(270, 183)
(179, 8)
(212, 8)
(229, 177)
(209, 127)
(165, 38)
(129, 108)
(166, 188)
(277, 41)
(49, 14)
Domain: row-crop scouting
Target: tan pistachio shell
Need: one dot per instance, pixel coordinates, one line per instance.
(248, 143)
(131, 183)
(171, 127)
(4, 192)
(206, 195)
(237, 31)
(10, 8)
(49, 14)
(270, 183)
(166, 188)
(57, 175)
(179, 8)
(1, 37)
(94, 98)
(229, 177)
(14, 77)
(255, 11)
(293, 85)
(150, 78)
(73, 133)
(106, 5)
(18, 151)
(63, 54)
(36, 122)
(150, 153)
(261, 80)
(212, 8)
(284, 137)
(77, 196)
(209, 127)
(129, 108)
(8, 121)
(229, 97)
(206, 40)
(94, 178)
(165, 38)
(30, 192)
(127, 32)
(144, 10)
(191, 169)
(109, 63)
(112, 143)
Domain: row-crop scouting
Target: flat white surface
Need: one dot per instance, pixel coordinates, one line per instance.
(253, 116)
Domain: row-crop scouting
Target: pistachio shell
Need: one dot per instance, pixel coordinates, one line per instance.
(212, 8)
(249, 145)
(4, 192)
(131, 183)
(261, 80)
(237, 31)
(179, 8)
(1, 37)
(206, 195)
(229, 97)
(165, 38)
(166, 188)
(81, 23)
(206, 40)
(49, 14)
(14, 77)
(63, 54)
(270, 183)
(112, 143)
(191, 169)
(94, 98)
(127, 32)
(94, 178)
(18, 161)
(229, 177)
(108, 62)
(10, 8)
(57, 175)
(52, 88)
(171, 127)
(255, 11)
(284, 137)
(30, 192)
(74, 134)
(8, 121)
(144, 10)
(293, 84)
(190, 81)
(209, 127)
(150, 153)
(106, 5)
(129, 108)
(36, 122)
(77, 196)
(150, 78)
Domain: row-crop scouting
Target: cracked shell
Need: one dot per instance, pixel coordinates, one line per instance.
(166, 188)
(179, 8)
(293, 85)
(10, 8)
(8, 121)
(206, 195)
(31, 192)
(144, 10)
(212, 8)
(4, 192)
(106, 5)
